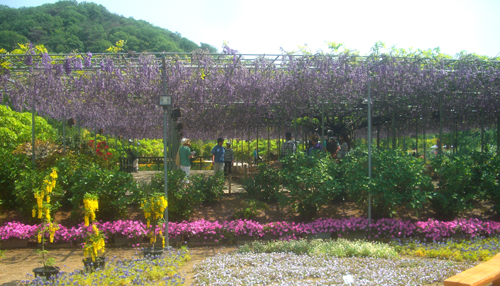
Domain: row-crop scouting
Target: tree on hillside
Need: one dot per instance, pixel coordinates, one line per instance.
(66, 26)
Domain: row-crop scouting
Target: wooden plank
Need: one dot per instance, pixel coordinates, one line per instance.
(479, 275)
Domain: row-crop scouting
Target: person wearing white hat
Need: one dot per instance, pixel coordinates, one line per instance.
(185, 155)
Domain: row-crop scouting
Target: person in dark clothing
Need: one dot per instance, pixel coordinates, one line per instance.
(332, 145)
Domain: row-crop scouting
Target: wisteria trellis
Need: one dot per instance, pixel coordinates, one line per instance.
(227, 94)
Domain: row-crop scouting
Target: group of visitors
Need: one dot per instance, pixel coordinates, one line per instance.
(337, 149)
(223, 157)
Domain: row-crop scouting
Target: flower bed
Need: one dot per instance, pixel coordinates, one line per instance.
(380, 229)
(17, 230)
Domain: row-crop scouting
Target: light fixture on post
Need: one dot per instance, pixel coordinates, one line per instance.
(165, 101)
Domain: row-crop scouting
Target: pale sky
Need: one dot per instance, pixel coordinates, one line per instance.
(260, 26)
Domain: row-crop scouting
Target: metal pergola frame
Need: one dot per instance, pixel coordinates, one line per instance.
(275, 61)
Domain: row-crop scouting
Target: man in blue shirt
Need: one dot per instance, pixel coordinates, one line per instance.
(218, 156)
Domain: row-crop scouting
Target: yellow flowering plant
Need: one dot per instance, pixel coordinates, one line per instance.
(42, 211)
(154, 206)
(95, 239)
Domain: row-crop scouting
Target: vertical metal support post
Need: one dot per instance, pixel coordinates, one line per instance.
(498, 135)
(95, 139)
(248, 146)
(404, 136)
(296, 136)
(165, 152)
(268, 145)
(323, 124)
(33, 132)
(174, 140)
(482, 130)
(279, 139)
(304, 132)
(416, 136)
(378, 135)
(369, 154)
(64, 134)
(425, 139)
(388, 137)
(257, 148)
(79, 132)
(440, 146)
(165, 170)
(393, 129)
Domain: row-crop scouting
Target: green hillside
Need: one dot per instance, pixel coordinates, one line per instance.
(67, 26)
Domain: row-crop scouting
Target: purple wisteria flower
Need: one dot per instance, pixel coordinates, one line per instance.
(87, 61)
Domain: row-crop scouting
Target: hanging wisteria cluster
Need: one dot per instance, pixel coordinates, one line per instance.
(228, 94)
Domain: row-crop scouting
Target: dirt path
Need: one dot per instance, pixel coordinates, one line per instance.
(18, 264)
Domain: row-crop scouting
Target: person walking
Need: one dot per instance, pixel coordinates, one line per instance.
(256, 156)
(185, 155)
(344, 146)
(316, 146)
(133, 161)
(228, 158)
(218, 156)
(289, 147)
(332, 145)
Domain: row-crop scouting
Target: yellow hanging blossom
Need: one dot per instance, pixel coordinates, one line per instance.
(91, 205)
(52, 231)
(95, 239)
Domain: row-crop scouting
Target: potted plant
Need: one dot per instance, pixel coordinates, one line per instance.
(94, 241)
(153, 206)
(47, 227)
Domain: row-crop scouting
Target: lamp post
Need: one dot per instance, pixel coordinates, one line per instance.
(369, 102)
(165, 102)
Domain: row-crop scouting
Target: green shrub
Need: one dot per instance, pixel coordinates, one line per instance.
(490, 181)
(270, 180)
(15, 128)
(309, 182)
(181, 200)
(457, 192)
(398, 180)
(12, 169)
(265, 186)
(211, 188)
(114, 189)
